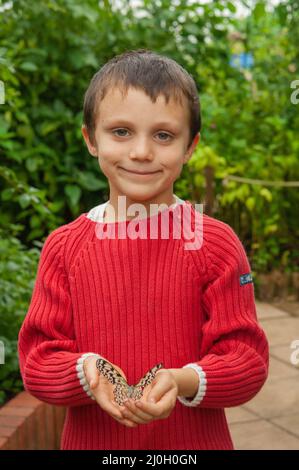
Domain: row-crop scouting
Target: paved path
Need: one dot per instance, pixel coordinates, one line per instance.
(271, 419)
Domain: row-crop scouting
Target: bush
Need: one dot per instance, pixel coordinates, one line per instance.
(17, 276)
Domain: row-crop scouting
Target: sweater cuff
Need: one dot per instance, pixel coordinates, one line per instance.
(202, 386)
(81, 374)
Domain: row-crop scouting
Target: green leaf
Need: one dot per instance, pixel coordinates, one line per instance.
(90, 182)
(31, 164)
(73, 193)
(271, 229)
(266, 194)
(192, 28)
(35, 234)
(12, 266)
(4, 126)
(7, 194)
(250, 203)
(28, 66)
(48, 127)
(259, 10)
(25, 131)
(24, 200)
(35, 221)
(83, 11)
(231, 7)
(56, 205)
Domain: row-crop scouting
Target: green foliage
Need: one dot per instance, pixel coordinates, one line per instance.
(17, 273)
(48, 52)
(250, 130)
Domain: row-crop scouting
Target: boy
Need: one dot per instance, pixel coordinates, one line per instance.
(136, 302)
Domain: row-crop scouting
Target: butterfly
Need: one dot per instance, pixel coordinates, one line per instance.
(122, 389)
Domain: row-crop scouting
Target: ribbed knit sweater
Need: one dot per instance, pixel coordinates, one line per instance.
(140, 301)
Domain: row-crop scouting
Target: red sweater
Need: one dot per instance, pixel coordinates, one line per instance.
(138, 302)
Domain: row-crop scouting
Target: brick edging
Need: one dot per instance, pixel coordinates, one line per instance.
(27, 423)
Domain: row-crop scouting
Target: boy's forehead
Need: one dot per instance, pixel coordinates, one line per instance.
(116, 103)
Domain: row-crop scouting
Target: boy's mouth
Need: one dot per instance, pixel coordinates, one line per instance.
(138, 172)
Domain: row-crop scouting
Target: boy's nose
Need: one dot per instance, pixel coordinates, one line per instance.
(142, 151)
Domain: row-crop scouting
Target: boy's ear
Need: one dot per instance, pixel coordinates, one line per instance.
(190, 150)
(91, 148)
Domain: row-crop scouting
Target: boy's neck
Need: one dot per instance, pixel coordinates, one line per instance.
(117, 210)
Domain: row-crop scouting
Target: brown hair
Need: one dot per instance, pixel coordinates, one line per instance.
(144, 69)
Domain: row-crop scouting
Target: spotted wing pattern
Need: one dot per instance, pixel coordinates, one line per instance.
(121, 387)
(137, 390)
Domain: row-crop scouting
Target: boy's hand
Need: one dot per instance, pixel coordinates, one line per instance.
(164, 391)
(102, 390)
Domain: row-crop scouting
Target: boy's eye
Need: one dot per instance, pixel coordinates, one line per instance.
(164, 133)
(117, 130)
(125, 130)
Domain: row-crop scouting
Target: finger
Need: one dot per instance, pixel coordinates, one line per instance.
(123, 420)
(94, 381)
(111, 408)
(127, 422)
(136, 419)
(129, 410)
(157, 409)
(158, 390)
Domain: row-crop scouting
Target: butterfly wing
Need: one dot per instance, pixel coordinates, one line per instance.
(120, 393)
(137, 391)
(114, 377)
(107, 370)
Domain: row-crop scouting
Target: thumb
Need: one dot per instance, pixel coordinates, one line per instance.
(157, 388)
(94, 381)
(151, 397)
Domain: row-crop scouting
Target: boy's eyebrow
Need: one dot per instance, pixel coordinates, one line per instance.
(128, 123)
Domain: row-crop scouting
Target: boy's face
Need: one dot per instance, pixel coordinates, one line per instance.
(133, 134)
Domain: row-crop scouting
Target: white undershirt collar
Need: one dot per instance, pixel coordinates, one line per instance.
(97, 212)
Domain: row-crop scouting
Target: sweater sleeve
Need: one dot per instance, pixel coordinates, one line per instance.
(234, 354)
(47, 347)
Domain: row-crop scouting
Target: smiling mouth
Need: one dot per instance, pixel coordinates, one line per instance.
(141, 172)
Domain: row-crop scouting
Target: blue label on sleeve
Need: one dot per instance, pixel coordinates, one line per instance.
(245, 279)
